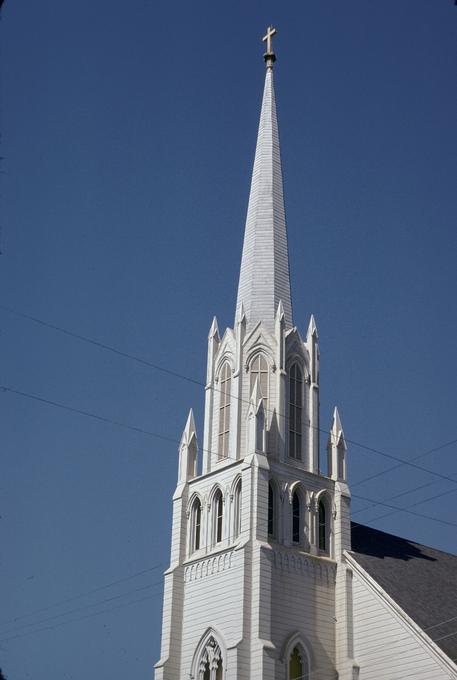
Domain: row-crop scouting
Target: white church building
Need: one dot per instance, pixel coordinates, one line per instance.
(268, 579)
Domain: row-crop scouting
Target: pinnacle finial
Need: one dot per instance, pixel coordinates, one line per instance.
(189, 430)
(269, 56)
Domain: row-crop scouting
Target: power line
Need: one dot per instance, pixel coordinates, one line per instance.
(194, 381)
(413, 505)
(391, 498)
(89, 616)
(81, 595)
(82, 608)
(87, 414)
(410, 512)
(443, 637)
(118, 596)
(406, 492)
(395, 467)
(119, 423)
(441, 623)
(153, 434)
(81, 618)
(101, 345)
(406, 462)
(142, 599)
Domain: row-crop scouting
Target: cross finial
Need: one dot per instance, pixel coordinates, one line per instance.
(269, 55)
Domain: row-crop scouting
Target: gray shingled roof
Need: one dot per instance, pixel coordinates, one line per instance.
(264, 273)
(421, 580)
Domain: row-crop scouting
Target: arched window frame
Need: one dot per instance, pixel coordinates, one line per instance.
(298, 492)
(194, 531)
(237, 507)
(211, 652)
(225, 388)
(296, 517)
(305, 669)
(296, 404)
(322, 526)
(297, 641)
(217, 516)
(324, 529)
(341, 459)
(273, 510)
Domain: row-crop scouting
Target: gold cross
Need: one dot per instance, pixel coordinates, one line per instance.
(267, 38)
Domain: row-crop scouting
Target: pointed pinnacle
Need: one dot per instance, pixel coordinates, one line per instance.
(336, 425)
(214, 330)
(312, 328)
(256, 396)
(189, 430)
(280, 311)
(241, 313)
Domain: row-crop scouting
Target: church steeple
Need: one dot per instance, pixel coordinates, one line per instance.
(258, 521)
(264, 275)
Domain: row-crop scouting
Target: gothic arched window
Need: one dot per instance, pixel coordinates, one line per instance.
(211, 663)
(298, 664)
(341, 460)
(295, 411)
(224, 410)
(196, 524)
(295, 665)
(296, 517)
(323, 526)
(237, 511)
(218, 516)
(271, 510)
(259, 370)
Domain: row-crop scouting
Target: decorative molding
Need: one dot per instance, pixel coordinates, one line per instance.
(305, 565)
(208, 566)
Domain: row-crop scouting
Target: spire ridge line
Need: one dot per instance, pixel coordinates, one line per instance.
(264, 274)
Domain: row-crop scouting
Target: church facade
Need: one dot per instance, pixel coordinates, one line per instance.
(268, 580)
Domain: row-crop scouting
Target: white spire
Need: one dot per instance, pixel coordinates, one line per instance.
(264, 275)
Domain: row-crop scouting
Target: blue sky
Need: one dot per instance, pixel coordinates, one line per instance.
(128, 135)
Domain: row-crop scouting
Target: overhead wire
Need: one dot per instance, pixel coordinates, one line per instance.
(81, 608)
(405, 492)
(142, 599)
(444, 637)
(200, 383)
(441, 623)
(118, 423)
(395, 467)
(208, 556)
(410, 512)
(81, 618)
(412, 505)
(90, 414)
(87, 414)
(82, 595)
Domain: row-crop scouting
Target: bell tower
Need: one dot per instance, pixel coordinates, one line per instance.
(256, 587)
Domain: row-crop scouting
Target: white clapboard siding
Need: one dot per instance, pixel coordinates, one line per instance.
(385, 645)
